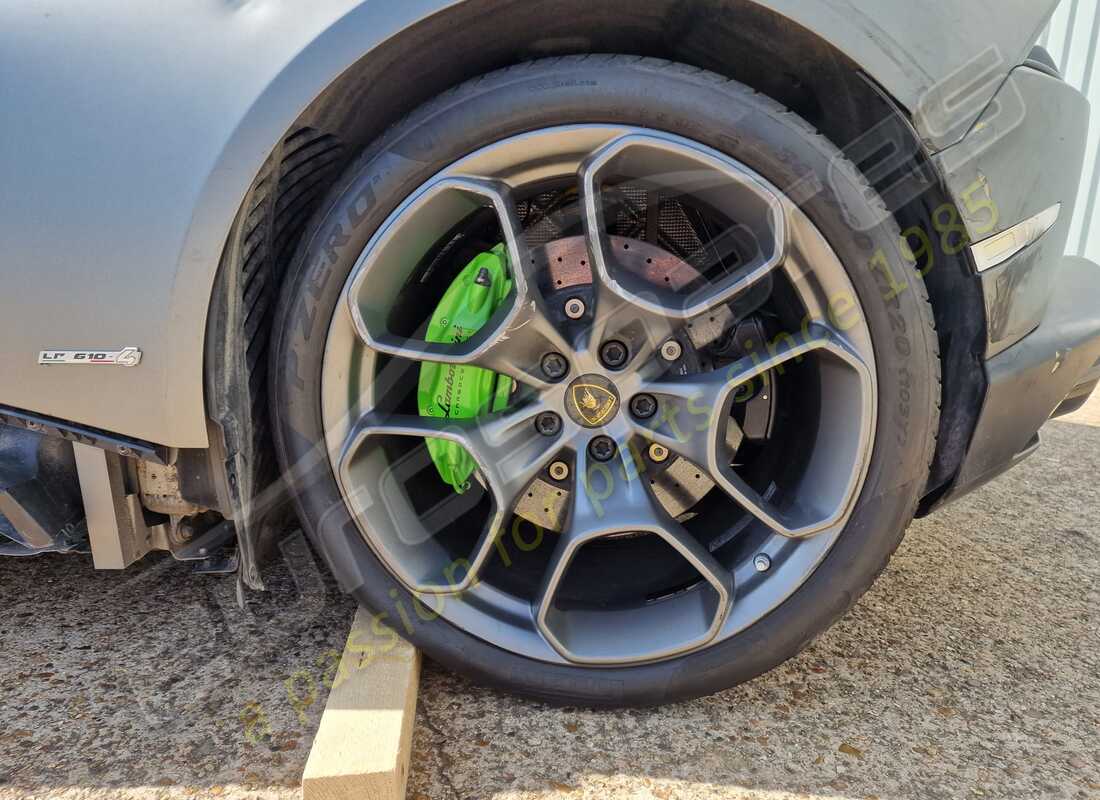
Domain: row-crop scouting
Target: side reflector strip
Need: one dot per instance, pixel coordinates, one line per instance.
(998, 249)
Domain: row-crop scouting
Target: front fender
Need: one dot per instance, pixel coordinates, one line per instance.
(132, 133)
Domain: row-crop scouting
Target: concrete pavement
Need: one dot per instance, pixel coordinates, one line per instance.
(970, 670)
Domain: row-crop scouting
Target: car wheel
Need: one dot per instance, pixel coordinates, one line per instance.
(706, 395)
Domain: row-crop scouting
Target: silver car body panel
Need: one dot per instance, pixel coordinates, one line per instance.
(133, 132)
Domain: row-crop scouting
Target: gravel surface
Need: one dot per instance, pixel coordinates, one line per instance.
(971, 669)
(154, 683)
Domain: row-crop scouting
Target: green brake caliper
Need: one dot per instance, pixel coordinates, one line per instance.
(454, 390)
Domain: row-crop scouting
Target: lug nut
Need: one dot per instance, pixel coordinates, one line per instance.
(574, 308)
(762, 562)
(602, 448)
(555, 366)
(548, 423)
(643, 406)
(614, 354)
(559, 471)
(671, 350)
(658, 453)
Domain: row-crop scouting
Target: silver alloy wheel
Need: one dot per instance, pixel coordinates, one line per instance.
(366, 363)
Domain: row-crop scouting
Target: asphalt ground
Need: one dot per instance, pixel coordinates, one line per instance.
(971, 669)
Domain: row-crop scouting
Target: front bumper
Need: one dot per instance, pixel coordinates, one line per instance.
(1042, 352)
(1051, 371)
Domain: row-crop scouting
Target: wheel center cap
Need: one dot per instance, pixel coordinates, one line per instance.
(591, 400)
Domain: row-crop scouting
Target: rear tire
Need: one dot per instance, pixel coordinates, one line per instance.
(703, 107)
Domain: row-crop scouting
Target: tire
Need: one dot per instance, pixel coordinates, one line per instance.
(723, 115)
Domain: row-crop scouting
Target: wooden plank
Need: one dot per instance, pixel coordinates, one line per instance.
(362, 746)
(116, 540)
(1088, 414)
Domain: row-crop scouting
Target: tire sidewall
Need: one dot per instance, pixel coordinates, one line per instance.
(697, 105)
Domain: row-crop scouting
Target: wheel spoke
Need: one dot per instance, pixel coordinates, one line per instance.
(612, 499)
(509, 453)
(678, 166)
(789, 523)
(691, 413)
(518, 350)
(695, 409)
(508, 450)
(609, 494)
(604, 502)
(514, 338)
(615, 318)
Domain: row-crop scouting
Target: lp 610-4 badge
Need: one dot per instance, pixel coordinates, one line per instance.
(126, 357)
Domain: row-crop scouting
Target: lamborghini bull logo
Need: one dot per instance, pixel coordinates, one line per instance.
(594, 404)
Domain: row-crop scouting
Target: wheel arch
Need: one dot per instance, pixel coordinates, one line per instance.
(334, 98)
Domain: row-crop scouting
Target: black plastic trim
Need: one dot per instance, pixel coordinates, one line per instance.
(1029, 381)
(59, 429)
